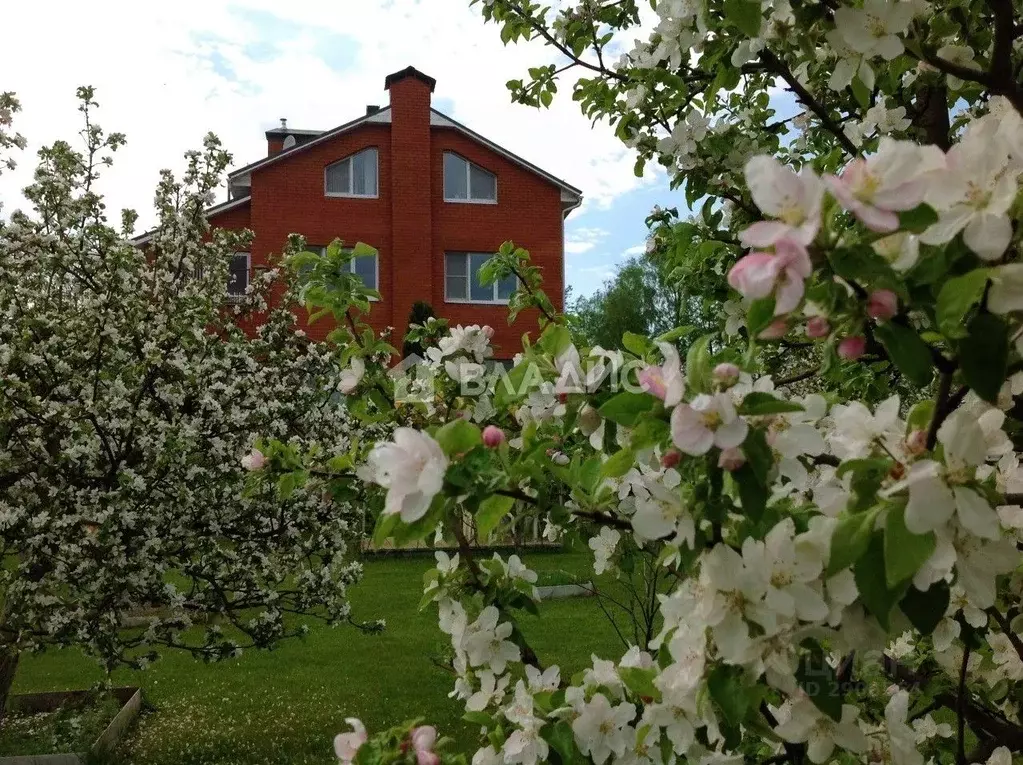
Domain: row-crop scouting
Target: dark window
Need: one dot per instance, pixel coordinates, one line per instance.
(462, 282)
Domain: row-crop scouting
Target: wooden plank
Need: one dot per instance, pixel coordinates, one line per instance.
(108, 738)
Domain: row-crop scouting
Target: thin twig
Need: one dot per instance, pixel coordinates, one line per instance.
(961, 707)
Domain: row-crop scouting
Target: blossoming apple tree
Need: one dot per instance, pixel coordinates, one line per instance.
(127, 397)
(848, 568)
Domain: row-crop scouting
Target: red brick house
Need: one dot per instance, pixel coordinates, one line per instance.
(434, 198)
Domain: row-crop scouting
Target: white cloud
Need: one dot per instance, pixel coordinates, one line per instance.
(166, 73)
(582, 240)
(636, 249)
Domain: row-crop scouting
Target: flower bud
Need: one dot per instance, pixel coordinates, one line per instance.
(851, 348)
(671, 458)
(731, 459)
(775, 330)
(882, 305)
(726, 374)
(589, 420)
(254, 460)
(488, 331)
(562, 397)
(558, 458)
(817, 327)
(493, 436)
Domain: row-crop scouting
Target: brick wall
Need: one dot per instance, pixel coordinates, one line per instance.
(409, 222)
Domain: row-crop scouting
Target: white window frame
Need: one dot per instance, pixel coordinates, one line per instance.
(468, 183)
(322, 250)
(351, 177)
(468, 282)
(238, 296)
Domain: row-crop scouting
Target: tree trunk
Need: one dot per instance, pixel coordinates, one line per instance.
(932, 115)
(8, 667)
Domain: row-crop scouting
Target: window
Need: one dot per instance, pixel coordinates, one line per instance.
(466, 182)
(238, 275)
(365, 267)
(354, 176)
(462, 282)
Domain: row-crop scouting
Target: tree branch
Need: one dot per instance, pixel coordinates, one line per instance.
(777, 66)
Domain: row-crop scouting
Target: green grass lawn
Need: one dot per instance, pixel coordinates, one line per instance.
(286, 705)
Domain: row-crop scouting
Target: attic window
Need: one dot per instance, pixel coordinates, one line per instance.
(354, 176)
(467, 182)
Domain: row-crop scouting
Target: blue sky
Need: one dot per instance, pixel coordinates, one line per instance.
(170, 73)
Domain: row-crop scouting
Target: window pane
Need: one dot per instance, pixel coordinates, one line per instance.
(483, 184)
(364, 173)
(338, 180)
(366, 269)
(455, 263)
(238, 275)
(454, 287)
(506, 286)
(455, 186)
(477, 290)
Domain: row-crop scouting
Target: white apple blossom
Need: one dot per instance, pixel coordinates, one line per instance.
(708, 421)
(794, 200)
(486, 642)
(602, 730)
(352, 376)
(411, 468)
(802, 722)
(874, 29)
(603, 546)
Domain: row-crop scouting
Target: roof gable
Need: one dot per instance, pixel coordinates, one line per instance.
(241, 176)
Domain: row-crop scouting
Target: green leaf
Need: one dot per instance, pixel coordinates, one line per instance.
(638, 344)
(752, 492)
(917, 219)
(363, 250)
(920, 415)
(984, 354)
(904, 551)
(760, 403)
(872, 582)
(562, 741)
(626, 408)
(479, 719)
(729, 693)
(759, 316)
(818, 679)
(759, 455)
(511, 387)
(698, 371)
(746, 15)
(458, 437)
(384, 528)
(911, 354)
(925, 610)
(492, 510)
(861, 92)
(555, 339)
(618, 464)
(640, 681)
(675, 334)
(849, 540)
(957, 298)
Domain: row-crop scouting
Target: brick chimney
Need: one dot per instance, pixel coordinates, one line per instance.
(411, 222)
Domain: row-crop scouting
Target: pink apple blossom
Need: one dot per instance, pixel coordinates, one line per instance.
(731, 459)
(776, 330)
(493, 436)
(346, 745)
(254, 460)
(894, 179)
(710, 420)
(851, 348)
(817, 327)
(726, 373)
(783, 274)
(793, 199)
(882, 305)
(666, 382)
(423, 739)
